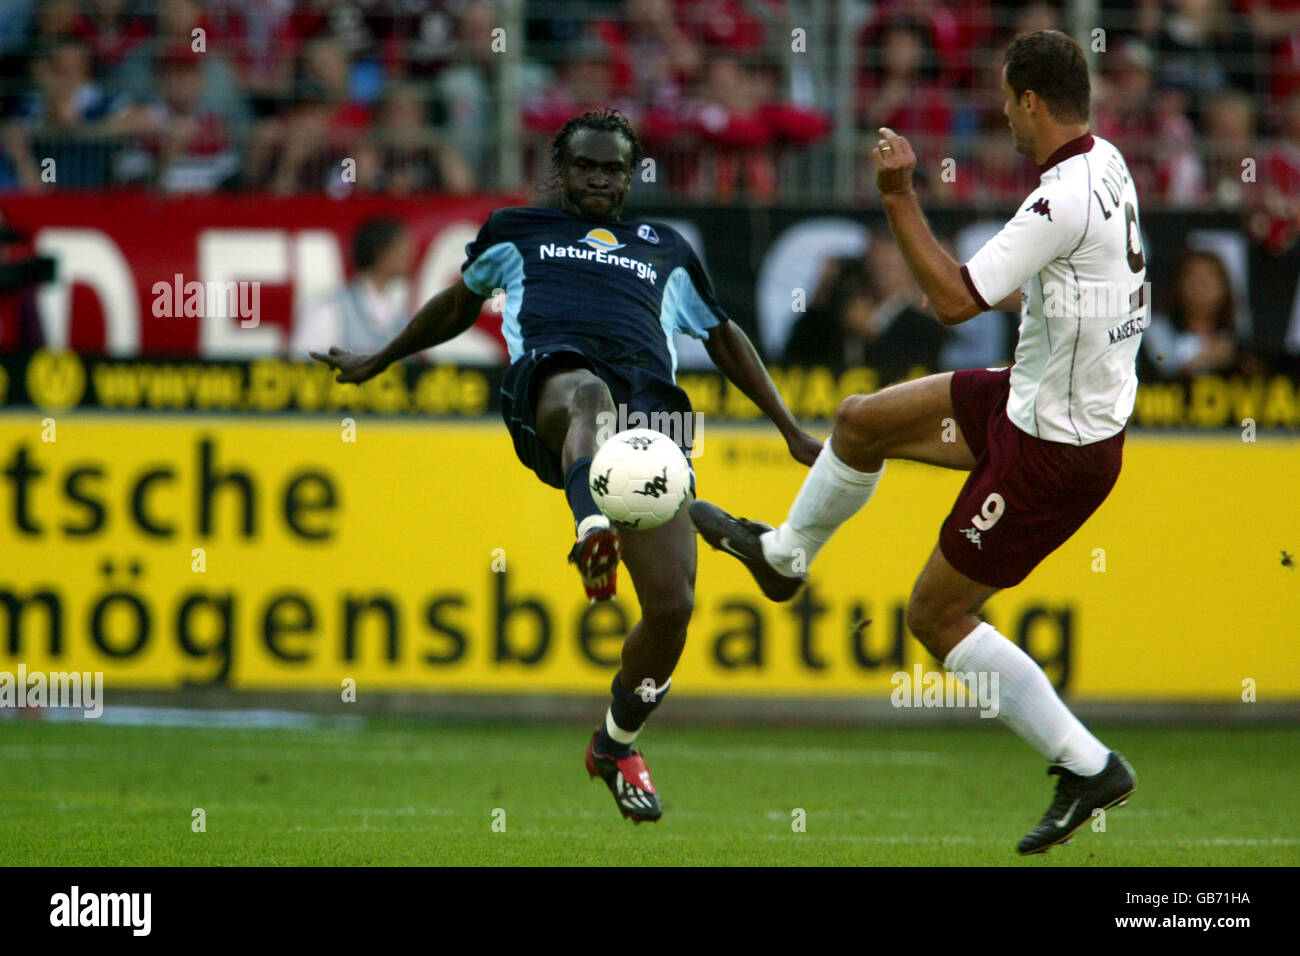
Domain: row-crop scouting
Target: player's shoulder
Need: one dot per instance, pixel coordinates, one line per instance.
(522, 216)
(1058, 201)
(1104, 148)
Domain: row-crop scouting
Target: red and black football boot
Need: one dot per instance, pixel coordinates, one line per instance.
(597, 554)
(628, 779)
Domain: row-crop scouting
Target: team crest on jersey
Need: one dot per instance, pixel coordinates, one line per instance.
(602, 239)
(644, 231)
(1041, 207)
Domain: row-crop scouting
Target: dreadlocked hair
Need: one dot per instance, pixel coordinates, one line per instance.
(601, 121)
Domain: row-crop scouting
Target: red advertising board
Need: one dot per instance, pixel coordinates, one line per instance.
(113, 250)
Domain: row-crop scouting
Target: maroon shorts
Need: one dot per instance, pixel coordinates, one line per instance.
(1025, 496)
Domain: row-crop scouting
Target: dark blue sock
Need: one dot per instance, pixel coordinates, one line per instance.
(577, 488)
(630, 711)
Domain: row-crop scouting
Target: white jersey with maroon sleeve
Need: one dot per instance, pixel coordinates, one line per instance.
(1075, 251)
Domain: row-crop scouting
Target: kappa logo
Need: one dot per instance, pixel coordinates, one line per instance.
(644, 231)
(974, 536)
(655, 487)
(1042, 207)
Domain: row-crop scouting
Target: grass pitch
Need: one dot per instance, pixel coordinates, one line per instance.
(428, 794)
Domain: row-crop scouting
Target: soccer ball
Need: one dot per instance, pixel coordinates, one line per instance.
(640, 478)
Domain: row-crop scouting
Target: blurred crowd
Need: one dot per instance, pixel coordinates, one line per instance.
(869, 310)
(200, 95)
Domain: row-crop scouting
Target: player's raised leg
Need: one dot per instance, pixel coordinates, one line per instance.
(942, 613)
(661, 562)
(912, 420)
(570, 403)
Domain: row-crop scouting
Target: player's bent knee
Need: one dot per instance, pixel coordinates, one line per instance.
(669, 616)
(925, 621)
(589, 396)
(856, 423)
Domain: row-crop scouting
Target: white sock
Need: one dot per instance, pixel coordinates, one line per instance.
(1027, 701)
(832, 493)
(597, 520)
(628, 736)
(617, 732)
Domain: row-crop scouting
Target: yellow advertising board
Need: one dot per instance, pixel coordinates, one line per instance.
(272, 553)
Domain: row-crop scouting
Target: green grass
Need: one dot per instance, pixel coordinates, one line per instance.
(418, 793)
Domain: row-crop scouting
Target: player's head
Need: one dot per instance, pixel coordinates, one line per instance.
(1045, 82)
(381, 249)
(593, 157)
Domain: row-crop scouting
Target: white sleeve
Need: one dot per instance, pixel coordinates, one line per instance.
(316, 329)
(1049, 225)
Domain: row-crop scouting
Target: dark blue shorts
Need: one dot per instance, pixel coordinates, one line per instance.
(633, 389)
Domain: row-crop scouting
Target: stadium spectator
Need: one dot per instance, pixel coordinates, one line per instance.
(364, 314)
(652, 59)
(1276, 26)
(1229, 140)
(1035, 16)
(729, 26)
(992, 175)
(259, 41)
(1274, 200)
(64, 120)
(185, 148)
(903, 93)
(138, 78)
(727, 114)
(463, 89)
(111, 29)
(1151, 127)
(868, 311)
(583, 81)
(1202, 49)
(1197, 332)
(305, 150)
(943, 35)
(424, 39)
(403, 155)
(1123, 110)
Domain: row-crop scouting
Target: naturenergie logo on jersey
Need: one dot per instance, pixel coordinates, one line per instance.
(74, 690)
(601, 243)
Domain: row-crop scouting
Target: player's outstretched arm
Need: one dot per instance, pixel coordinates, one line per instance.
(439, 320)
(936, 272)
(736, 358)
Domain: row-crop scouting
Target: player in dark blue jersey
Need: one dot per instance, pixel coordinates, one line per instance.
(591, 305)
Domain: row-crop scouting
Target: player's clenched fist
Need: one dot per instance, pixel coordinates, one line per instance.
(894, 162)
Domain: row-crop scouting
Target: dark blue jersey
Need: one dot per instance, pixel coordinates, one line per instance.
(618, 289)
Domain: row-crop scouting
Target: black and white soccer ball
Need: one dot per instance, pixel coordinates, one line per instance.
(640, 478)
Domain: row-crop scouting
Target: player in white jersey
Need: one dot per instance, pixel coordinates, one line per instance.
(1042, 440)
